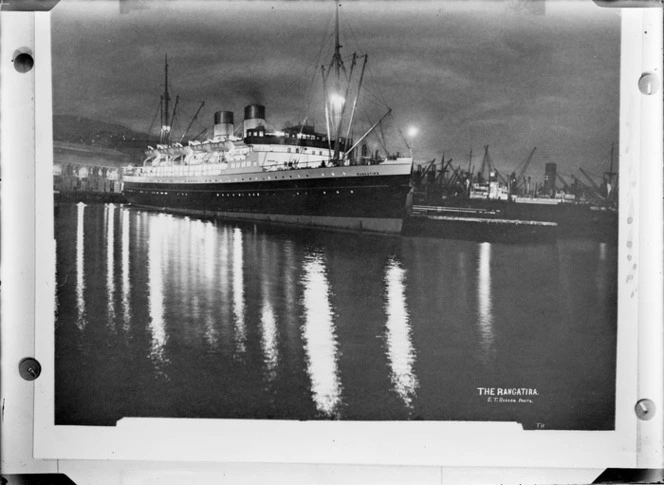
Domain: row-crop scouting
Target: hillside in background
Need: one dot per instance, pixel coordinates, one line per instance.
(84, 131)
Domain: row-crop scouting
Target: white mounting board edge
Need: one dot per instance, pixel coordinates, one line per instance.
(31, 443)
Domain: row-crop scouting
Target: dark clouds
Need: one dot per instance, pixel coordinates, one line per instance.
(466, 73)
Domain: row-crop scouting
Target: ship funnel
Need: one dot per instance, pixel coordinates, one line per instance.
(254, 116)
(550, 178)
(223, 124)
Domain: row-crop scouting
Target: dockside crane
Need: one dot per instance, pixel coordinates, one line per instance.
(520, 178)
(611, 173)
(612, 189)
(487, 163)
(597, 192)
(441, 177)
(566, 186)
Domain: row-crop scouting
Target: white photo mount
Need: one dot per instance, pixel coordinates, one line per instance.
(31, 443)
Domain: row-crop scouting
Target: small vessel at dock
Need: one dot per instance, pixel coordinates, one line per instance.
(458, 203)
(476, 224)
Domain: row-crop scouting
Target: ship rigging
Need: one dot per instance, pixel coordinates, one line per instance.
(293, 175)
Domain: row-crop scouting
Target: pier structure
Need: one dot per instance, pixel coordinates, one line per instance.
(84, 171)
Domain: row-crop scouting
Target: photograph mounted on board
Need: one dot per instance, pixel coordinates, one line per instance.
(317, 210)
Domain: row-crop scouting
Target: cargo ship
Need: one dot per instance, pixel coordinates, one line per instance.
(294, 175)
(458, 203)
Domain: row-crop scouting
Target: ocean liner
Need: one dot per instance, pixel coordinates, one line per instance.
(291, 175)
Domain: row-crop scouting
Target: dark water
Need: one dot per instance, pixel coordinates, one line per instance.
(162, 315)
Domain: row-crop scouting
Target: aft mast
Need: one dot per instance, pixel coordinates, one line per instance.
(336, 95)
(338, 101)
(335, 100)
(165, 115)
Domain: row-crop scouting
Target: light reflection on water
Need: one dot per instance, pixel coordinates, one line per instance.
(269, 340)
(80, 274)
(209, 242)
(400, 352)
(225, 283)
(485, 301)
(126, 286)
(156, 324)
(319, 336)
(268, 318)
(110, 263)
(245, 321)
(238, 292)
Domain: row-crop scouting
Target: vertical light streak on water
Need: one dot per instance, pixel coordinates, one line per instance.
(157, 324)
(209, 239)
(182, 267)
(110, 264)
(210, 262)
(269, 338)
(319, 337)
(601, 278)
(195, 262)
(238, 292)
(400, 351)
(126, 312)
(188, 259)
(224, 281)
(485, 301)
(268, 319)
(291, 292)
(80, 266)
(169, 223)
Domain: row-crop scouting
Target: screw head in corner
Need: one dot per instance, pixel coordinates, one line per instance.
(29, 369)
(645, 409)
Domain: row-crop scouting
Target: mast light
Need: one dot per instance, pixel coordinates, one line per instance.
(337, 101)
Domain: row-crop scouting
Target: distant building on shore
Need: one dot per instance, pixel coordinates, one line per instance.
(87, 169)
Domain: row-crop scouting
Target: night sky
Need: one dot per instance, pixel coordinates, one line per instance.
(507, 73)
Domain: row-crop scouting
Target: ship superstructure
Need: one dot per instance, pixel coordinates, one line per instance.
(293, 175)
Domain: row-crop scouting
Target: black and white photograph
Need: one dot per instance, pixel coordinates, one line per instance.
(343, 211)
(317, 241)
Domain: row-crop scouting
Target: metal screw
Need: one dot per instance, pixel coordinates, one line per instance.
(645, 409)
(23, 62)
(648, 83)
(29, 369)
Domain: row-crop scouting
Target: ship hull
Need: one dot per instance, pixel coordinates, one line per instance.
(372, 203)
(572, 219)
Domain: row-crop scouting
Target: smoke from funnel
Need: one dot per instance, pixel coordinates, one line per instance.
(247, 89)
